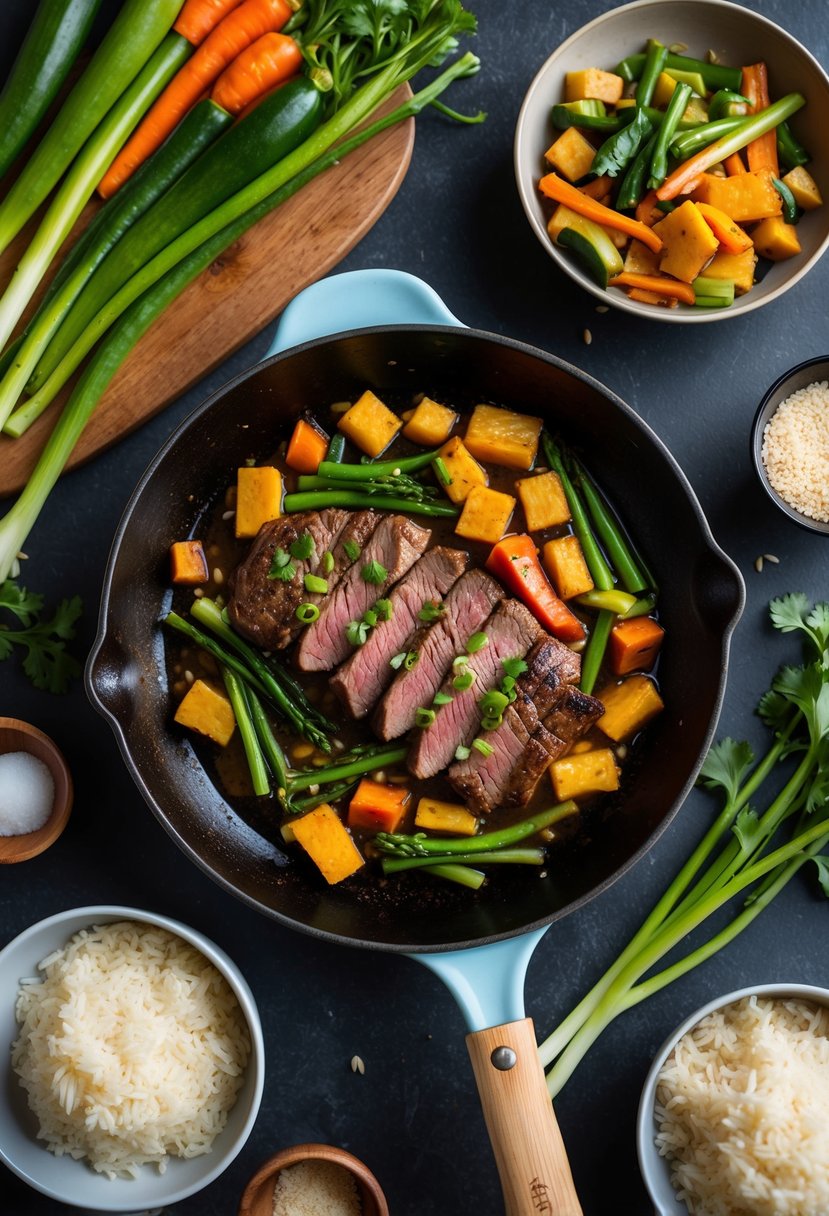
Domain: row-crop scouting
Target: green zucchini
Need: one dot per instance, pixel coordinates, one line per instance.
(52, 44)
(133, 37)
(281, 123)
(593, 248)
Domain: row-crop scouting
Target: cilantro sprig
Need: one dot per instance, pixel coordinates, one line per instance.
(46, 661)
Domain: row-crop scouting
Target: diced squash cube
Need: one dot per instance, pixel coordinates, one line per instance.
(628, 707)
(664, 90)
(503, 437)
(445, 817)
(585, 773)
(564, 562)
(746, 197)
(258, 498)
(737, 268)
(571, 154)
(464, 471)
(635, 644)
(485, 515)
(207, 711)
(565, 217)
(188, 564)
(599, 188)
(307, 448)
(326, 840)
(775, 239)
(370, 424)
(377, 808)
(688, 242)
(804, 188)
(430, 424)
(593, 83)
(640, 259)
(543, 500)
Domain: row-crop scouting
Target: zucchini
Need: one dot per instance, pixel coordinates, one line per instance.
(281, 123)
(52, 44)
(594, 249)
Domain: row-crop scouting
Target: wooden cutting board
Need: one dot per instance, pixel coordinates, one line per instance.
(243, 290)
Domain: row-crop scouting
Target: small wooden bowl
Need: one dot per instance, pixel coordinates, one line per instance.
(17, 736)
(257, 1199)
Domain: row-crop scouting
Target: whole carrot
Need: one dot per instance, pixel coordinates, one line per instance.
(761, 152)
(199, 18)
(269, 61)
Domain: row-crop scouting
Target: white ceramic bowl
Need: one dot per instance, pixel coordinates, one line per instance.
(738, 36)
(73, 1182)
(655, 1170)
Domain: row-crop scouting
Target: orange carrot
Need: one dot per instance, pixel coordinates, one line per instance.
(647, 211)
(599, 188)
(377, 808)
(560, 191)
(307, 447)
(730, 235)
(655, 283)
(734, 165)
(269, 61)
(650, 297)
(634, 645)
(199, 18)
(241, 27)
(188, 564)
(514, 560)
(761, 152)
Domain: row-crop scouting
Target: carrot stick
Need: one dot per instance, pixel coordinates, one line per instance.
(562, 192)
(241, 27)
(264, 64)
(647, 211)
(199, 18)
(598, 189)
(656, 284)
(734, 165)
(761, 152)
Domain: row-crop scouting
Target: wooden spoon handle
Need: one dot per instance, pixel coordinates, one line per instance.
(529, 1151)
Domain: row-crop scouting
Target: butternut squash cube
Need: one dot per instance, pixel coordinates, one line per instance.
(258, 498)
(804, 188)
(688, 242)
(485, 515)
(328, 843)
(445, 817)
(564, 562)
(628, 707)
(737, 268)
(639, 259)
(430, 424)
(593, 83)
(188, 564)
(561, 218)
(370, 424)
(571, 154)
(503, 436)
(543, 500)
(464, 471)
(583, 774)
(746, 197)
(775, 239)
(207, 711)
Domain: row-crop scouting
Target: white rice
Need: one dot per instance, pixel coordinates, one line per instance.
(132, 1048)
(796, 450)
(742, 1106)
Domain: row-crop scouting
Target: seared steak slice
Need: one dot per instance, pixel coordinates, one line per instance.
(395, 545)
(573, 715)
(511, 631)
(549, 665)
(361, 679)
(466, 607)
(263, 608)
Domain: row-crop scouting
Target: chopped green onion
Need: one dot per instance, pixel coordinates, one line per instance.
(282, 567)
(493, 703)
(356, 632)
(370, 618)
(461, 661)
(411, 659)
(303, 547)
(476, 643)
(441, 471)
(441, 698)
(514, 667)
(464, 680)
(424, 718)
(384, 610)
(352, 550)
(462, 753)
(327, 563)
(431, 611)
(397, 661)
(374, 572)
(507, 684)
(315, 584)
(481, 745)
(307, 613)
(491, 723)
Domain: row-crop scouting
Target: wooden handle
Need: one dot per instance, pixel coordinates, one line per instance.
(529, 1151)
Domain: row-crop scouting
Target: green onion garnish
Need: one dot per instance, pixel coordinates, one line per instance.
(374, 572)
(464, 680)
(384, 609)
(514, 668)
(431, 611)
(327, 563)
(481, 745)
(307, 613)
(356, 632)
(424, 718)
(441, 698)
(441, 471)
(397, 661)
(461, 661)
(303, 547)
(410, 659)
(476, 643)
(315, 584)
(282, 567)
(462, 753)
(370, 618)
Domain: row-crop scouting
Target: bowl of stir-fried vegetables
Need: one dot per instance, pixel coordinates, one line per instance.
(672, 158)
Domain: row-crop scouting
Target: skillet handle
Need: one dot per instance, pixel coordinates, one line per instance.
(529, 1151)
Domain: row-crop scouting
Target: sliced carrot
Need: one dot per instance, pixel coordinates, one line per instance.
(306, 449)
(728, 233)
(634, 645)
(657, 284)
(650, 297)
(762, 152)
(647, 211)
(599, 188)
(514, 560)
(560, 191)
(734, 165)
(267, 62)
(376, 807)
(241, 27)
(198, 18)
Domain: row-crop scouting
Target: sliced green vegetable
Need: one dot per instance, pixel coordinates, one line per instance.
(713, 293)
(594, 250)
(693, 80)
(714, 75)
(247, 731)
(688, 142)
(617, 602)
(595, 652)
(477, 642)
(633, 183)
(307, 613)
(790, 212)
(315, 584)
(655, 59)
(789, 150)
(667, 129)
(619, 149)
(727, 104)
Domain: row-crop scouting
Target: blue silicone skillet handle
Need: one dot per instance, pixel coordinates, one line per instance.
(358, 299)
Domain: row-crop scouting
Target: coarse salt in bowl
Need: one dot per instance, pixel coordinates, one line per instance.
(27, 793)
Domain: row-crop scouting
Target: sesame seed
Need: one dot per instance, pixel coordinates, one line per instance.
(758, 564)
(198, 592)
(339, 746)
(24, 557)
(587, 337)
(218, 576)
(712, 57)
(602, 308)
(796, 450)
(189, 677)
(676, 48)
(228, 514)
(313, 790)
(769, 557)
(357, 1065)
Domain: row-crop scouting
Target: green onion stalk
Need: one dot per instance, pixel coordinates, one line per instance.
(156, 295)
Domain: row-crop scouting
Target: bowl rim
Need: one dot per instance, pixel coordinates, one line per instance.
(109, 913)
(525, 192)
(816, 527)
(27, 845)
(648, 1158)
(294, 1154)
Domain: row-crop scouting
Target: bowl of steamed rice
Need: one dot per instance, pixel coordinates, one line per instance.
(734, 1114)
(134, 1059)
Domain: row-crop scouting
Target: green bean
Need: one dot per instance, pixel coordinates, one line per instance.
(521, 857)
(715, 75)
(594, 653)
(610, 533)
(349, 767)
(727, 104)
(464, 875)
(789, 150)
(666, 132)
(600, 572)
(633, 183)
(653, 65)
(317, 500)
(332, 794)
(689, 142)
(371, 470)
(250, 743)
(618, 602)
(336, 449)
(643, 607)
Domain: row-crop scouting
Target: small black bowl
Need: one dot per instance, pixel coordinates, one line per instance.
(810, 372)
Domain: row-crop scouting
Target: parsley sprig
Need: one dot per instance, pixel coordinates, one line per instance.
(46, 662)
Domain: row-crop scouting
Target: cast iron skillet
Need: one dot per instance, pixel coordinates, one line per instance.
(701, 596)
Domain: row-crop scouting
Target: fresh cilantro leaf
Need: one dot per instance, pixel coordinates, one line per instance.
(282, 568)
(47, 663)
(726, 765)
(748, 831)
(789, 612)
(352, 550)
(431, 611)
(303, 547)
(822, 863)
(374, 572)
(26, 605)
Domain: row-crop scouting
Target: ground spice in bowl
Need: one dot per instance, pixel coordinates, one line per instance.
(316, 1188)
(795, 451)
